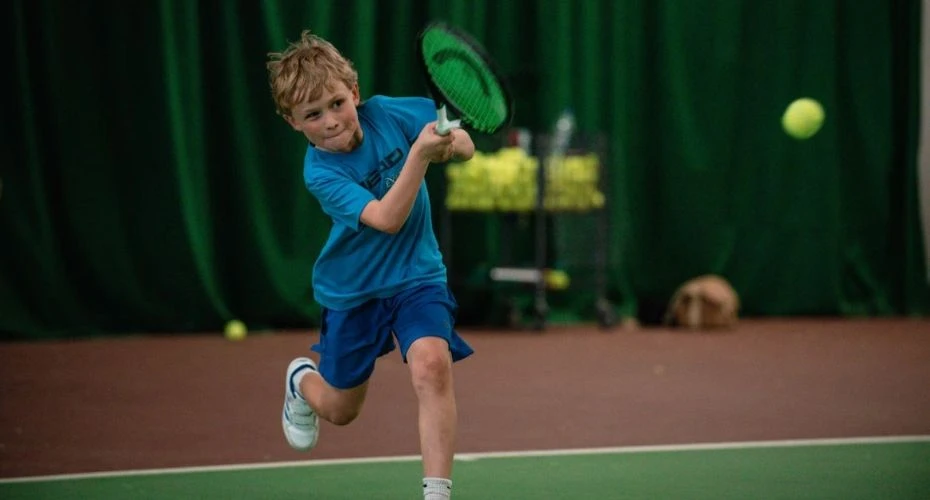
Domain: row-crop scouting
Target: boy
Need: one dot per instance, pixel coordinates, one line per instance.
(380, 275)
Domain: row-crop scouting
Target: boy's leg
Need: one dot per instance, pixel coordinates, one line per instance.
(431, 374)
(424, 319)
(308, 398)
(350, 343)
(336, 406)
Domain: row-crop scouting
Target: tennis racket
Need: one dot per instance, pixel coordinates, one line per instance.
(463, 81)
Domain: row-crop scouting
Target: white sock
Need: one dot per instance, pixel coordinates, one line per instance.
(437, 488)
(297, 377)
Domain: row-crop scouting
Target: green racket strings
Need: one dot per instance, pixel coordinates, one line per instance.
(465, 80)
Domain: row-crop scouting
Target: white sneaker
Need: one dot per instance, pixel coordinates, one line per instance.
(301, 424)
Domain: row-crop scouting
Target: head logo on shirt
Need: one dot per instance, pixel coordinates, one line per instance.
(386, 163)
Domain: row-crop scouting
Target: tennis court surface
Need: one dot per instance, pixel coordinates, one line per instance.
(802, 408)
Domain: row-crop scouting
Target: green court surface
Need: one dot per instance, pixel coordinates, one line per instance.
(881, 468)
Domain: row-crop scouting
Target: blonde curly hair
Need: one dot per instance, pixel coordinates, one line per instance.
(301, 72)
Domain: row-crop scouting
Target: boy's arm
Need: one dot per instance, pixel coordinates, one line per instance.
(390, 212)
(462, 145)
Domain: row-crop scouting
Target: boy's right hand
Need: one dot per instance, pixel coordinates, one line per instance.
(433, 147)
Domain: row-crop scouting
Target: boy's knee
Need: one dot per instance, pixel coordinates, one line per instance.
(342, 407)
(343, 416)
(432, 368)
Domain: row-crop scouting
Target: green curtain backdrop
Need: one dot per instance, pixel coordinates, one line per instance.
(149, 186)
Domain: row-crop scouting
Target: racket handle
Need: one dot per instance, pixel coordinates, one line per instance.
(443, 125)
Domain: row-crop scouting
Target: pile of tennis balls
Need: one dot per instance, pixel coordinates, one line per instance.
(506, 181)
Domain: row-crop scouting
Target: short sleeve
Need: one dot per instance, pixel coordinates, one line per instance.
(410, 113)
(340, 197)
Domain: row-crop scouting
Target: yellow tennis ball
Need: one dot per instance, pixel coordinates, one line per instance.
(558, 280)
(803, 118)
(235, 330)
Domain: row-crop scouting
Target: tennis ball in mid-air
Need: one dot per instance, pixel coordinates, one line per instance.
(803, 118)
(235, 330)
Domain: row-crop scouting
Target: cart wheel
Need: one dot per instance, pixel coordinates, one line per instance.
(514, 315)
(540, 313)
(606, 315)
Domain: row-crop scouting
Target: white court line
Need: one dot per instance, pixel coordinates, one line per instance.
(469, 457)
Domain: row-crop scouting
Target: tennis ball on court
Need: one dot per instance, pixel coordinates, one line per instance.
(235, 330)
(803, 118)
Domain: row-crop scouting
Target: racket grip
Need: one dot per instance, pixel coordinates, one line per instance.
(443, 124)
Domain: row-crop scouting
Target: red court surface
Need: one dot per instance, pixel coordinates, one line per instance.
(188, 400)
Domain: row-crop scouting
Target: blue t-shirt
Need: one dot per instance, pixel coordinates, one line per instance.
(358, 262)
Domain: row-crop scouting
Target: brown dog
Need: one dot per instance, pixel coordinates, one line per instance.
(704, 302)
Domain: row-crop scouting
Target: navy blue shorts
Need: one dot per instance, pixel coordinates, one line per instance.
(352, 340)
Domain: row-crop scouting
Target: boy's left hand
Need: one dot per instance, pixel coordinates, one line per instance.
(433, 147)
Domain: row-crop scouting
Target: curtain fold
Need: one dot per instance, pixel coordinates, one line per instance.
(148, 184)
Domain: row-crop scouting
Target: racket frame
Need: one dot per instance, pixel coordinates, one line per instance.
(444, 125)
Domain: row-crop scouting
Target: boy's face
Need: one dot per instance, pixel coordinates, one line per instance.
(331, 122)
